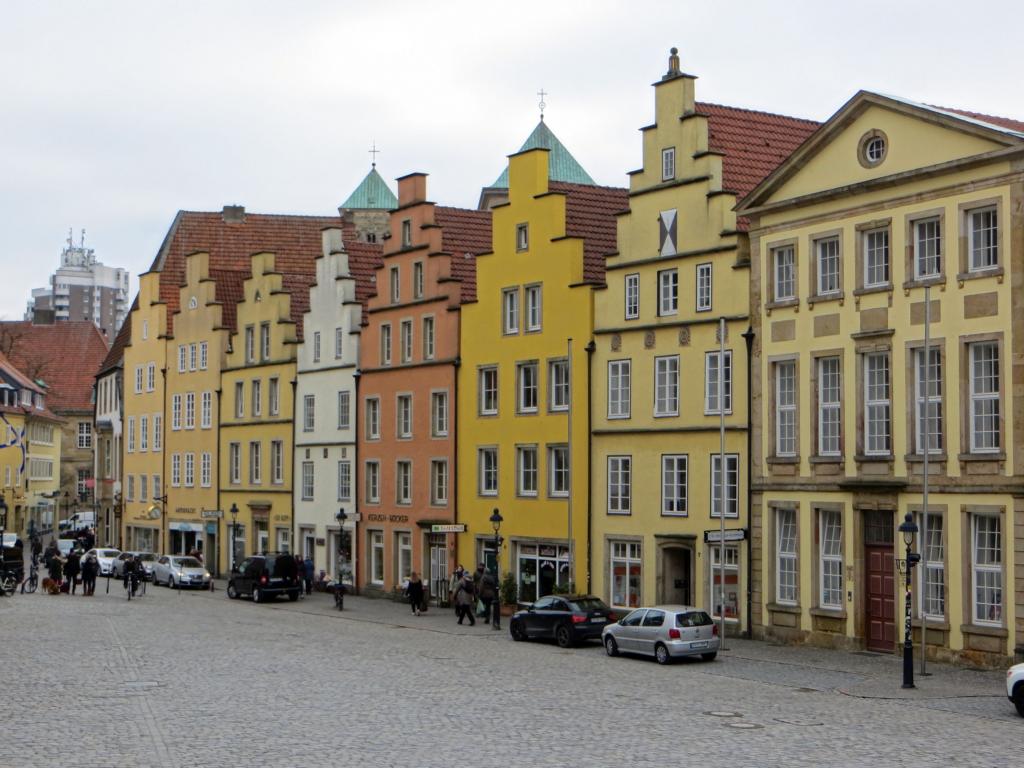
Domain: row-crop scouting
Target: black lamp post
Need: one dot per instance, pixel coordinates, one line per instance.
(908, 528)
(341, 517)
(234, 519)
(3, 530)
(496, 520)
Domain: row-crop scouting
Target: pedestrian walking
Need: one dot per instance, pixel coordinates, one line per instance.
(90, 569)
(487, 589)
(55, 567)
(414, 591)
(72, 568)
(453, 584)
(308, 570)
(465, 599)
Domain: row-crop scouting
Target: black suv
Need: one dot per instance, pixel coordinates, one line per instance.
(265, 577)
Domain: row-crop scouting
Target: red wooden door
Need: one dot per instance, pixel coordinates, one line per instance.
(881, 598)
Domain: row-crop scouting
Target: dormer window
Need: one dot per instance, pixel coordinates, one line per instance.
(39, 401)
(668, 163)
(522, 237)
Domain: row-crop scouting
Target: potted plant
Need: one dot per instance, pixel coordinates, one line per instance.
(508, 591)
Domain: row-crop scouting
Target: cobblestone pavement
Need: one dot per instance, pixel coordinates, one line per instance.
(196, 679)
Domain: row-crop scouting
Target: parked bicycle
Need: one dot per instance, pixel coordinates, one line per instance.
(8, 581)
(31, 583)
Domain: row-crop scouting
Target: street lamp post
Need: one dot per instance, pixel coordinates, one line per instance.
(341, 517)
(3, 531)
(908, 528)
(234, 519)
(496, 520)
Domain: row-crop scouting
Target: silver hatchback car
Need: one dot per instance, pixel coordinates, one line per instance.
(664, 632)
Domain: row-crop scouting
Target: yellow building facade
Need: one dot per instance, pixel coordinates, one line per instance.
(523, 388)
(887, 201)
(143, 518)
(256, 411)
(681, 269)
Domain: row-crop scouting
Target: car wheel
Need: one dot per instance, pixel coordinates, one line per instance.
(515, 628)
(709, 656)
(563, 636)
(257, 596)
(170, 582)
(232, 592)
(1018, 698)
(661, 654)
(293, 596)
(610, 646)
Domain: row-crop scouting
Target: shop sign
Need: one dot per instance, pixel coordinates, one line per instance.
(379, 518)
(456, 528)
(211, 514)
(734, 534)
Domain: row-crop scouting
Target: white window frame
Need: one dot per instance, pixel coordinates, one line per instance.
(395, 281)
(625, 556)
(439, 414)
(265, 341)
(339, 343)
(877, 405)
(234, 463)
(522, 237)
(510, 311)
(786, 553)
(239, 399)
(666, 385)
(316, 346)
(830, 394)
(532, 300)
(674, 484)
(830, 560)
(668, 292)
(631, 288)
(828, 267)
(711, 369)
(787, 441)
(619, 485)
(204, 355)
(403, 482)
(990, 567)
(619, 388)
(373, 418)
(988, 398)
(193, 356)
(487, 470)
(256, 396)
(932, 577)
(205, 470)
(190, 469)
(987, 232)
(206, 410)
(345, 480)
(376, 557)
(484, 390)
(405, 340)
(732, 489)
(439, 482)
(182, 358)
(344, 409)
(385, 344)
(417, 280)
(428, 337)
(371, 481)
(308, 413)
(525, 384)
(190, 410)
(274, 395)
(255, 462)
(668, 163)
(143, 433)
(277, 462)
(558, 385)
(930, 402)
(308, 481)
(403, 416)
(559, 471)
(784, 273)
(923, 255)
(877, 259)
(704, 286)
(526, 471)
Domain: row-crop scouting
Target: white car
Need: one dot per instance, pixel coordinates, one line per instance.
(1015, 687)
(106, 558)
(180, 571)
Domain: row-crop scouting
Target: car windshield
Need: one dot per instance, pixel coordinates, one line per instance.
(693, 619)
(188, 562)
(590, 604)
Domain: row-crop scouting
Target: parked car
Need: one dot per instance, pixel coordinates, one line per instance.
(264, 577)
(1015, 687)
(180, 571)
(569, 619)
(148, 560)
(66, 545)
(106, 558)
(665, 632)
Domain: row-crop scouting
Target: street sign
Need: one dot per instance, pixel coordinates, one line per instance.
(212, 514)
(734, 534)
(458, 528)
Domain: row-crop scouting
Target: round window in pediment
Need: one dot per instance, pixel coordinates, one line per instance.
(873, 147)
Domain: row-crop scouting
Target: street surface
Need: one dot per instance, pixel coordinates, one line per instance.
(196, 679)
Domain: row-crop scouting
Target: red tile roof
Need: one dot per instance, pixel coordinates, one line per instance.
(65, 356)
(465, 234)
(1001, 122)
(590, 213)
(753, 143)
(12, 376)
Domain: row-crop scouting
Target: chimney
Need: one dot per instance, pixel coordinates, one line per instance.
(412, 188)
(673, 65)
(234, 214)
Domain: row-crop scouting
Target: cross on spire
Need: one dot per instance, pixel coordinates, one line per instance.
(542, 93)
(373, 154)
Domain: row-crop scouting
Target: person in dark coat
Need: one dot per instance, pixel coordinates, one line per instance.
(55, 567)
(90, 569)
(308, 571)
(465, 599)
(414, 591)
(72, 569)
(487, 590)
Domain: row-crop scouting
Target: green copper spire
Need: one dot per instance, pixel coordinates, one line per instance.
(562, 166)
(372, 192)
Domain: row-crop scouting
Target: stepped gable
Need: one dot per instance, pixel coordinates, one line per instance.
(363, 261)
(65, 356)
(116, 353)
(753, 143)
(465, 234)
(590, 213)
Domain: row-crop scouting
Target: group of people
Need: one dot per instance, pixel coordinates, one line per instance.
(467, 590)
(66, 573)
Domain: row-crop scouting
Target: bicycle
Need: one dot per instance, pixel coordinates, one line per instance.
(31, 583)
(339, 596)
(8, 582)
(132, 585)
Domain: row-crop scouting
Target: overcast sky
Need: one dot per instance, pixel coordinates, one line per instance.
(115, 115)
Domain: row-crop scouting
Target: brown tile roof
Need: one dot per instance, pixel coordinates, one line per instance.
(15, 378)
(465, 234)
(65, 356)
(116, 352)
(590, 213)
(1001, 122)
(753, 143)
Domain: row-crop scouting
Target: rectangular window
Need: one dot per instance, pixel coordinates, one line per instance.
(157, 493)
(877, 404)
(673, 484)
(830, 563)
(308, 413)
(158, 432)
(193, 356)
(927, 248)
(522, 237)
(619, 389)
(827, 255)
(274, 396)
(403, 482)
(668, 292)
(250, 344)
(984, 393)
(308, 481)
(439, 414)
(316, 346)
(182, 358)
(190, 410)
(558, 471)
(255, 462)
(373, 418)
(928, 400)
(143, 487)
(206, 410)
(276, 462)
(339, 338)
(987, 569)
(130, 492)
(190, 469)
(403, 416)
(510, 311)
(439, 482)
(785, 409)
(239, 399)
(784, 271)
(131, 434)
(487, 471)
(932, 595)
(204, 355)
(385, 344)
(428, 338)
(703, 287)
(151, 377)
(983, 238)
(376, 557)
(143, 433)
(785, 556)
(626, 574)
(206, 469)
(526, 470)
(264, 341)
(732, 481)
(344, 409)
(731, 572)
(713, 368)
(176, 469)
(620, 485)
(666, 386)
(373, 482)
(558, 385)
(632, 296)
(256, 395)
(138, 379)
(405, 340)
(532, 294)
(668, 163)
(235, 462)
(395, 285)
(84, 434)
(345, 480)
(417, 280)
(406, 234)
(830, 392)
(876, 258)
(488, 391)
(526, 377)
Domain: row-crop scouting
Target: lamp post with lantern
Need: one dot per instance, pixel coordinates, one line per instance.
(234, 524)
(908, 528)
(496, 520)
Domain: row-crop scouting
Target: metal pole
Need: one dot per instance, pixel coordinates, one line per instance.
(722, 477)
(568, 458)
(496, 617)
(908, 642)
(923, 548)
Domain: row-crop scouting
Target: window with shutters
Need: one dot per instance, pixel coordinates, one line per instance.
(667, 233)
